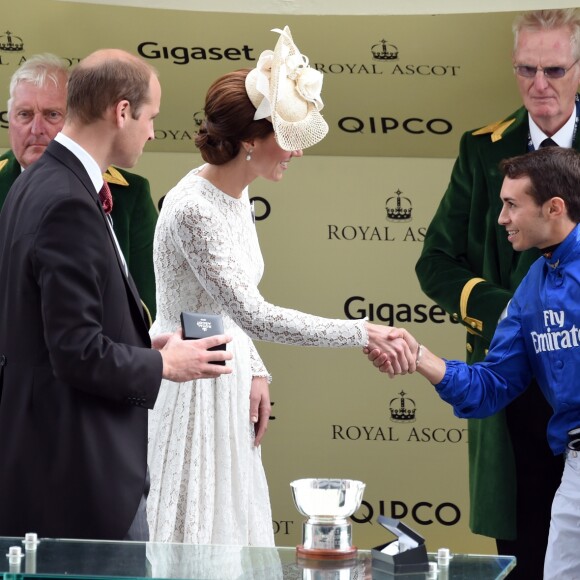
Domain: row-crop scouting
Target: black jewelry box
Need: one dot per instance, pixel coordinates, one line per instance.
(407, 555)
(196, 325)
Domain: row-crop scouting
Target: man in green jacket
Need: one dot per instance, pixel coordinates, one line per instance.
(36, 113)
(468, 267)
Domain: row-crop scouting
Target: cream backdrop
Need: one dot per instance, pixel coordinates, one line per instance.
(329, 239)
(394, 85)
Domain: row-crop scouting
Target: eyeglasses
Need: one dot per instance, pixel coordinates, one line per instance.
(551, 72)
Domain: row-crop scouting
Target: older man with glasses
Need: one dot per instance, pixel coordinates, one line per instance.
(469, 267)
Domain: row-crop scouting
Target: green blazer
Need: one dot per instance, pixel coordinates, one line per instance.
(468, 267)
(134, 218)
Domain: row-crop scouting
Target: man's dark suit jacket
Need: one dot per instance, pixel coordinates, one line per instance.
(77, 373)
(134, 218)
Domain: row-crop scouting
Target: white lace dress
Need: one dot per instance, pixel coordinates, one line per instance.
(207, 481)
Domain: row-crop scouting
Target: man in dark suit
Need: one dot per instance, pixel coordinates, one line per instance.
(77, 371)
(469, 267)
(36, 112)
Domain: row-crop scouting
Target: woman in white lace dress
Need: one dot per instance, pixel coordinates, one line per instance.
(207, 481)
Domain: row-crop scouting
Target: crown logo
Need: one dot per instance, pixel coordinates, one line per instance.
(399, 208)
(198, 118)
(11, 43)
(405, 410)
(385, 51)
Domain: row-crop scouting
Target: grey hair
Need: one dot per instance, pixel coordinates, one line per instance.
(550, 20)
(39, 70)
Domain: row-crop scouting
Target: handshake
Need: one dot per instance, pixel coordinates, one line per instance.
(395, 351)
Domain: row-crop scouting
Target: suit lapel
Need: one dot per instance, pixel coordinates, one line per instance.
(72, 162)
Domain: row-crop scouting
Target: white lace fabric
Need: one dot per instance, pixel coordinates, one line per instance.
(207, 481)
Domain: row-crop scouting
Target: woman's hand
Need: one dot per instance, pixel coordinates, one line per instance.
(260, 407)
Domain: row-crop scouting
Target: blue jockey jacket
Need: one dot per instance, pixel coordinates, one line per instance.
(540, 337)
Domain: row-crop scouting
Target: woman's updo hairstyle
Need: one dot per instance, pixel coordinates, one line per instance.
(229, 119)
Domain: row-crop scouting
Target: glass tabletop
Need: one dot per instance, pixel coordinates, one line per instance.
(72, 559)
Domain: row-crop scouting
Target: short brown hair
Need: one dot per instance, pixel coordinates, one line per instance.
(229, 119)
(553, 172)
(94, 87)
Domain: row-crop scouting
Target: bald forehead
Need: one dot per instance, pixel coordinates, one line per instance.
(108, 56)
(100, 56)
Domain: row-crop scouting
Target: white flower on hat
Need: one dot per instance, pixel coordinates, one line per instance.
(308, 81)
(263, 72)
(265, 62)
(294, 63)
(309, 85)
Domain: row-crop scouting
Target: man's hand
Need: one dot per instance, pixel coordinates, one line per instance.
(426, 363)
(397, 348)
(260, 407)
(380, 361)
(187, 360)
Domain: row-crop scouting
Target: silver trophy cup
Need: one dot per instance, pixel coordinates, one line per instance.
(328, 504)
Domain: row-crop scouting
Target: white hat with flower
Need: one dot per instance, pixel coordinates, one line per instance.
(285, 89)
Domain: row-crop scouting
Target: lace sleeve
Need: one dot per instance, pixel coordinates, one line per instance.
(215, 240)
(258, 367)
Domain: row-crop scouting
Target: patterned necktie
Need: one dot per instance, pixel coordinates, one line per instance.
(106, 198)
(548, 143)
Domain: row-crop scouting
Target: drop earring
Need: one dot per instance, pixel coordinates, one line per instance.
(249, 155)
